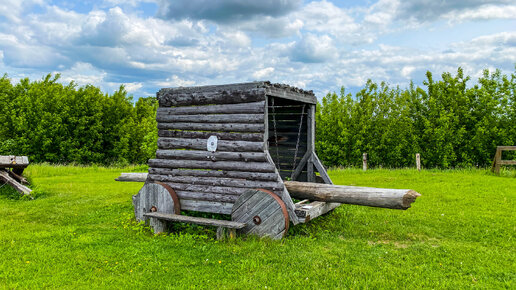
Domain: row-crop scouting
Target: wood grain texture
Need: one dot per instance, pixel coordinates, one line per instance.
(228, 136)
(219, 165)
(263, 213)
(216, 127)
(196, 220)
(221, 118)
(11, 161)
(6, 178)
(369, 196)
(167, 97)
(212, 156)
(307, 212)
(200, 144)
(217, 181)
(154, 196)
(243, 108)
(215, 173)
(132, 177)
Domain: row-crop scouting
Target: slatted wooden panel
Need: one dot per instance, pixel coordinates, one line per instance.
(212, 181)
(284, 117)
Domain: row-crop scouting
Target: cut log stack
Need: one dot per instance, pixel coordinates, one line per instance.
(11, 169)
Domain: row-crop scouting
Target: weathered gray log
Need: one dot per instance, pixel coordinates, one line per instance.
(217, 181)
(206, 206)
(228, 136)
(225, 118)
(4, 176)
(263, 213)
(227, 127)
(369, 196)
(307, 212)
(207, 196)
(213, 156)
(219, 165)
(243, 108)
(11, 161)
(215, 173)
(200, 144)
(135, 177)
(169, 97)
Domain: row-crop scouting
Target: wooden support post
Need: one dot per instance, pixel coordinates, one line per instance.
(418, 162)
(496, 161)
(364, 161)
(311, 143)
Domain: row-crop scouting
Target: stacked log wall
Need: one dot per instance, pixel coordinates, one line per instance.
(212, 181)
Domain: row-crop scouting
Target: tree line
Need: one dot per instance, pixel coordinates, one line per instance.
(56, 123)
(449, 122)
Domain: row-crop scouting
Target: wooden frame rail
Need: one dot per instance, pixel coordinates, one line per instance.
(498, 162)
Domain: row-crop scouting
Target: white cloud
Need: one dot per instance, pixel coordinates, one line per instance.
(263, 73)
(313, 49)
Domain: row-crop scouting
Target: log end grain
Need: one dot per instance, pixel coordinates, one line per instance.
(409, 198)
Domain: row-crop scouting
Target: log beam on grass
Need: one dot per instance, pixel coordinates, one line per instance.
(369, 196)
(134, 177)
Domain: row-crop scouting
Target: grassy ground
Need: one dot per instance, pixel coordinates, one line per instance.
(78, 233)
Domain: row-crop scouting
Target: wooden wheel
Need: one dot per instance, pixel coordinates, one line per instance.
(155, 197)
(263, 212)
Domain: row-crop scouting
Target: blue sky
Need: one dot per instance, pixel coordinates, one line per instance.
(315, 45)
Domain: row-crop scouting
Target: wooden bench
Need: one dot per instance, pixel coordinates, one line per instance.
(11, 169)
(158, 218)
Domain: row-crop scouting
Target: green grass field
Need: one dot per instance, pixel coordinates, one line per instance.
(79, 233)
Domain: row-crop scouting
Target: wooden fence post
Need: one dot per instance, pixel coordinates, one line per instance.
(364, 161)
(418, 162)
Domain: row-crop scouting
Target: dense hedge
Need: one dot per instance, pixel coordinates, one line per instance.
(51, 122)
(451, 123)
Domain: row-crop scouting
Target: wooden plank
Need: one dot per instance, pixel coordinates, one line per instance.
(320, 168)
(214, 88)
(200, 144)
(167, 97)
(219, 165)
(206, 196)
(207, 188)
(4, 176)
(243, 108)
(206, 206)
(11, 161)
(196, 220)
(226, 118)
(213, 156)
(301, 165)
(507, 162)
(213, 127)
(310, 140)
(215, 173)
(307, 212)
(205, 135)
(510, 148)
(217, 181)
(304, 97)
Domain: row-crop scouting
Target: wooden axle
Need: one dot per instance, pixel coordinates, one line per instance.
(369, 196)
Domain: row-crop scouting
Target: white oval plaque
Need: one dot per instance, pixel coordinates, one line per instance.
(212, 144)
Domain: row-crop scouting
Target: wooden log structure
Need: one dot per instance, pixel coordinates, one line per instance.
(228, 149)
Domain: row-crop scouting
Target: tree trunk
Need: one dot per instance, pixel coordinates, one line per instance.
(369, 196)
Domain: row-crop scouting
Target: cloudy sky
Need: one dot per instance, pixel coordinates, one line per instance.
(315, 45)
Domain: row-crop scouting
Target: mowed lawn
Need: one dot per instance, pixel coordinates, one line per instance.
(79, 233)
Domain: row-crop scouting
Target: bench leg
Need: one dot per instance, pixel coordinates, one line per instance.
(221, 233)
(159, 226)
